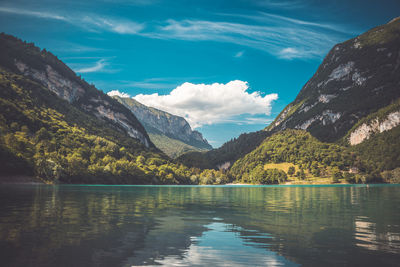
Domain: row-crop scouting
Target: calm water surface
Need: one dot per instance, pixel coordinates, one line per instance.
(199, 226)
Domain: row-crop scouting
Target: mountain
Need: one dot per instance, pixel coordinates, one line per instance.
(172, 134)
(356, 78)
(57, 127)
(44, 68)
(344, 121)
(223, 157)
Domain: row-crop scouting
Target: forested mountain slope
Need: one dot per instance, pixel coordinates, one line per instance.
(46, 69)
(55, 126)
(172, 134)
(356, 78)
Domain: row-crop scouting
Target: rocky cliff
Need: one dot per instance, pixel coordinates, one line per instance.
(376, 123)
(43, 67)
(158, 122)
(365, 131)
(357, 78)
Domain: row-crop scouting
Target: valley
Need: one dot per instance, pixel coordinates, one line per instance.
(343, 127)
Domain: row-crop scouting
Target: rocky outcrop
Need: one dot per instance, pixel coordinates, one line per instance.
(327, 117)
(44, 68)
(52, 80)
(356, 78)
(51, 73)
(161, 122)
(366, 130)
(89, 99)
(121, 119)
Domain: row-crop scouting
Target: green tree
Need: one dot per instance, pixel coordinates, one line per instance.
(291, 170)
(302, 175)
(349, 177)
(336, 175)
(42, 134)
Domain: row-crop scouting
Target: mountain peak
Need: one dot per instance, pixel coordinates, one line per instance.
(366, 67)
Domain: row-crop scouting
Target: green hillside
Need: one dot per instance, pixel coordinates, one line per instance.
(170, 133)
(296, 147)
(170, 146)
(228, 152)
(45, 136)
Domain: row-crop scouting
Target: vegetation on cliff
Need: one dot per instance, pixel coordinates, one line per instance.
(45, 136)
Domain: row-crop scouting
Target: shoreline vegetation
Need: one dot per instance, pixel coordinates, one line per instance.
(32, 180)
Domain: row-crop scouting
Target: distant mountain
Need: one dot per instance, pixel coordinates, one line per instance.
(224, 156)
(356, 78)
(344, 121)
(172, 134)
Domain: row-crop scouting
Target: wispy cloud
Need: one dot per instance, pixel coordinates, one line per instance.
(90, 22)
(269, 18)
(290, 53)
(284, 37)
(112, 25)
(151, 83)
(98, 66)
(279, 4)
(239, 54)
(273, 39)
(133, 2)
(38, 14)
(75, 48)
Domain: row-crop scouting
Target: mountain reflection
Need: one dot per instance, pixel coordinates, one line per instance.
(130, 226)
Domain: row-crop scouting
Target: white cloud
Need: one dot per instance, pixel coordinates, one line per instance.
(202, 104)
(92, 22)
(279, 4)
(112, 25)
(290, 53)
(39, 14)
(280, 36)
(239, 54)
(99, 65)
(118, 93)
(313, 41)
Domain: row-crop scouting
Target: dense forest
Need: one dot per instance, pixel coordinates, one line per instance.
(45, 136)
(228, 152)
(306, 153)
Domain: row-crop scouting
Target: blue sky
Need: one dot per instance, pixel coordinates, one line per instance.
(228, 66)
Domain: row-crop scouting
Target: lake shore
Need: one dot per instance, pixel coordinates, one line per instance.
(19, 179)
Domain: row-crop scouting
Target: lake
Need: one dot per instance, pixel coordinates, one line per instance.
(72, 225)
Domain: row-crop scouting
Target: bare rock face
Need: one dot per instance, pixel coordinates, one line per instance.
(52, 80)
(356, 78)
(121, 119)
(161, 122)
(365, 131)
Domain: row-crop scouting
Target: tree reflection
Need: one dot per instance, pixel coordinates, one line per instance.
(114, 226)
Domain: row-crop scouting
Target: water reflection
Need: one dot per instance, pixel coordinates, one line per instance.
(368, 237)
(186, 226)
(220, 240)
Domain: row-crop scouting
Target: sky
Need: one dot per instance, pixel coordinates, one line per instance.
(228, 67)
